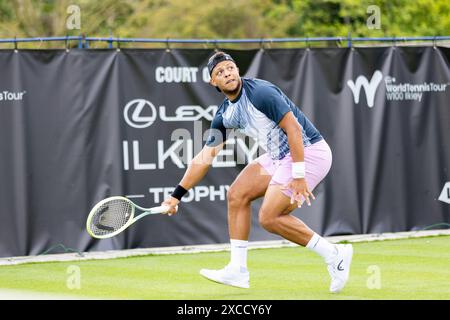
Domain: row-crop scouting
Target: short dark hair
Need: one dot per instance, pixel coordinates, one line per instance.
(217, 58)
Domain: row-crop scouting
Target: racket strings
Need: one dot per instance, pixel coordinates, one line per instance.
(111, 216)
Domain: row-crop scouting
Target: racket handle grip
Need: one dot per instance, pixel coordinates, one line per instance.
(160, 209)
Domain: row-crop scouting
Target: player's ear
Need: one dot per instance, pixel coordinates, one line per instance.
(214, 84)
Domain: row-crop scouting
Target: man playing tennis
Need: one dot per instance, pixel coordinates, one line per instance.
(297, 159)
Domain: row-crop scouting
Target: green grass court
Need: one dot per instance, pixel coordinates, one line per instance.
(404, 269)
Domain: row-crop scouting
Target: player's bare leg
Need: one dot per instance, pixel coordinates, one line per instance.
(275, 217)
(250, 184)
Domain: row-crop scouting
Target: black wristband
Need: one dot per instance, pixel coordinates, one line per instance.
(179, 192)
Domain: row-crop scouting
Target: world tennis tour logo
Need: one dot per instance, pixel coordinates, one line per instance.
(370, 87)
(395, 91)
(12, 96)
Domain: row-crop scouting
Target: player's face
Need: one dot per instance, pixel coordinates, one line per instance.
(226, 76)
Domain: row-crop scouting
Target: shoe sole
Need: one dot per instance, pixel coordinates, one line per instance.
(228, 283)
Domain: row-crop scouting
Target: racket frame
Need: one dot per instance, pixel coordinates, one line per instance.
(131, 220)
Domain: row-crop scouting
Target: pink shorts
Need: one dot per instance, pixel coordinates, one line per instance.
(318, 160)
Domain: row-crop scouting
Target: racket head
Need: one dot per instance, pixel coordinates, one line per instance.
(109, 217)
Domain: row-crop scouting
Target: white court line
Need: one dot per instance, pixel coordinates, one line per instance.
(100, 255)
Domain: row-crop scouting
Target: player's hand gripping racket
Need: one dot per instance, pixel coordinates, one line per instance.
(113, 215)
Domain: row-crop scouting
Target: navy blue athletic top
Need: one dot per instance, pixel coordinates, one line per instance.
(256, 112)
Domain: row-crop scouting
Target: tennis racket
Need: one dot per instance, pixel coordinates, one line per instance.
(113, 215)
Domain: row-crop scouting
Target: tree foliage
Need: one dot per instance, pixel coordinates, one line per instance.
(225, 19)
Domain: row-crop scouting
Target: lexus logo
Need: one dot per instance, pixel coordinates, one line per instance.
(139, 113)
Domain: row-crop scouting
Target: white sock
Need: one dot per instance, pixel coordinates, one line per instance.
(322, 247)
(239, 253)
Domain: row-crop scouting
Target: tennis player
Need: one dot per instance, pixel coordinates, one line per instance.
(297, 159)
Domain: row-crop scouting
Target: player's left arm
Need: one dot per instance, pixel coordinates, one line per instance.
(270, 101)
(293, 131)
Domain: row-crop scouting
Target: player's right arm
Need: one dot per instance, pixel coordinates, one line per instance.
(195, 172)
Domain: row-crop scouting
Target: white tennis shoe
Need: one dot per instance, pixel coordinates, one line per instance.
(230, 275)
(339, 270)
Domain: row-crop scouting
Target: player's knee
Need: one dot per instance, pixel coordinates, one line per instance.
(237, 196)
(266, 221)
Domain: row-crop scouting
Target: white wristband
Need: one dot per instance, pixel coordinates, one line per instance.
(298, 170)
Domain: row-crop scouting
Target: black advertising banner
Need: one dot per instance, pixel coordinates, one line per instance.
(79, 126)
